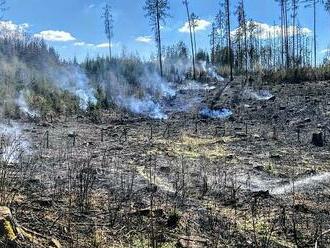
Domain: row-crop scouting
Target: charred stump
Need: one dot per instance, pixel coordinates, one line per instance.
(317, 139)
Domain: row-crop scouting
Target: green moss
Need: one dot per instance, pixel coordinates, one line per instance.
(9, 230)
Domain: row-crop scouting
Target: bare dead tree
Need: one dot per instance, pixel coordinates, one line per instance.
(313, 4)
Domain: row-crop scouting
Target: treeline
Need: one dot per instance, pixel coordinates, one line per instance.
(25, 63)
(284, 51)
(285, 48)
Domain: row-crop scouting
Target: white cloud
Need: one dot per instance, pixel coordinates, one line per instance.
(201, 25)
(8, 28)
(264, 30)
(82, 43)
(103, 45)
(79, 43)
(326, 50)
(106, 45)
(144, 39)
(54, 35)
(91, 6)
(91, 45)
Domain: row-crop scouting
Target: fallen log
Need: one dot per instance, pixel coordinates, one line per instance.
(192, 242)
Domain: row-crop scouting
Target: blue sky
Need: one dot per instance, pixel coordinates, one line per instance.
(81, 27)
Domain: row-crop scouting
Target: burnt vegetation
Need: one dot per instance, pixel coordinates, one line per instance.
(222, 148)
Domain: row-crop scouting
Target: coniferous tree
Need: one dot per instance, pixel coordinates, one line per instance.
(186, 4)
(242, 31)
(295, 4)
(157, 11)
(108, 26)
(227, 8)
(327, 5)
(3, 8)
(213, 42)
(194, 24)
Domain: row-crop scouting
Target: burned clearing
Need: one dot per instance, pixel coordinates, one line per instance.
(163, 128)
(253, 179)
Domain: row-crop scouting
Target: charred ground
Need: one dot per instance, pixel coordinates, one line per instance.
(252, 180)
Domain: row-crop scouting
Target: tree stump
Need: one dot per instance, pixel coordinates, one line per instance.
(317, 139)
(14, 235)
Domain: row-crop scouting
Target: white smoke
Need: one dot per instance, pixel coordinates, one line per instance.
(24, 107)
(145, 106)
(212, 73)
(144, 97)
(191, 85)
(13, 145)
(305, 183)
(153, 82)
(261, 95)
(74, 80)
(215, 114)
(209, 70)
(180, 68)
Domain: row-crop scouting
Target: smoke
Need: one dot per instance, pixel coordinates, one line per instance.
(139, 88)
(261, 95)
(215, 114)
(64, 77)
(304, 183)
(195, 86)
(75, 81)
(277, 186)
(24, 107)
(151, 81)
(146, 106)
(210, 71)
(13, 145)
(140, 92)
(180, 68)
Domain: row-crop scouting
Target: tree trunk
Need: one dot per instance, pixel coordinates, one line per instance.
(159, 41)
(191, 40)
(229, 41)
(315, 56)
